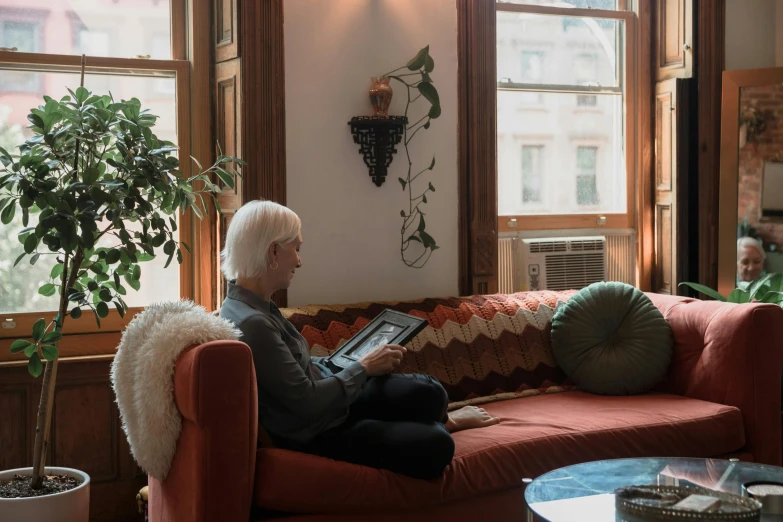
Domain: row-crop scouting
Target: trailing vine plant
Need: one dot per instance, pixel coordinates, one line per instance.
(413, 231)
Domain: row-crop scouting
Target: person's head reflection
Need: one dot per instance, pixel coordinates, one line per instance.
(750, 259)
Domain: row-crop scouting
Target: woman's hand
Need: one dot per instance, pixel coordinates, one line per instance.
(382, 360)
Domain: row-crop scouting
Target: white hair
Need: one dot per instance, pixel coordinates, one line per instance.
(745, 242)
(254, 227)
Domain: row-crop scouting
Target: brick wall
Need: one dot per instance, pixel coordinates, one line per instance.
(766, 147)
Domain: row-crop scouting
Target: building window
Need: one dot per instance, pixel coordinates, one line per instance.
(567, 61)
(23, 36)
(532, 173)
(586, 189)
(94, 43)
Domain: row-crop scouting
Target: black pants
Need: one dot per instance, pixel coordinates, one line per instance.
(397, 423)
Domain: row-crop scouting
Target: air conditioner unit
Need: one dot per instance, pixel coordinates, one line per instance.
(562, 263)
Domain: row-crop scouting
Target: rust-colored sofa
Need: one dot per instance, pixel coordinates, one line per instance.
(721, 398)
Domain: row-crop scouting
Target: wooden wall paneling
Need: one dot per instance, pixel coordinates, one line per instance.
(710, 59)
(226, 30)
(478, 217)
(86, 432)
(674, 39)
(228, 126)
(263, 104)
(14, 439)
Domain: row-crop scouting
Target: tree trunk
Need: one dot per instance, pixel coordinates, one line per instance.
(46, 404)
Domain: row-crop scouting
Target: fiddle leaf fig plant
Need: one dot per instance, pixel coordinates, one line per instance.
(418, 84)
(98, 194)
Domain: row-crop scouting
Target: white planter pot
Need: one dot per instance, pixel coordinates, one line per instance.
(69, 506)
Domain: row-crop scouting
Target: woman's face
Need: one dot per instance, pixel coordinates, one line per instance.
(749, 264)
(288, 260)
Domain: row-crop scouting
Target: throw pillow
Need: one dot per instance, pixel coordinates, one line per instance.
(610, 339)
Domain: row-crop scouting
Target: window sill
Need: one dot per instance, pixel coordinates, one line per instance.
(564, 222)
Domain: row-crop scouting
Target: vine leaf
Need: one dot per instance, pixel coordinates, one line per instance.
(426, 77)
(421, 223)
(432, 187)
(402, 182)
(432, 166)
(427, 239)
(419, 61)
(429, 63)
(414, 238)
(431, 94)
(402, 213)
(424, 198)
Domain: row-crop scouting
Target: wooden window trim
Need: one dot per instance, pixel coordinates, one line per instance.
(564, 221)
(630, 81)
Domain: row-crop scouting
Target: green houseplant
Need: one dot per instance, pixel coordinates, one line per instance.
(418, 84)
(768, 289)
(97, 193)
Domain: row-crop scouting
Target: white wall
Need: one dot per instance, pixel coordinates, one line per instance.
(751, 33)
(351, 228)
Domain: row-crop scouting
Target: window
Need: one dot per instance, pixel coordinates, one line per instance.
(23, 36)
(93, 43)
(586, 190)
(532, 173)
(108, 34)
(585, 72)
(571, 58)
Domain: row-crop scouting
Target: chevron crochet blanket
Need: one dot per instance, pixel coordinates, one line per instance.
(481, 348)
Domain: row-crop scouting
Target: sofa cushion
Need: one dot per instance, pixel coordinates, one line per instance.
(480, 348)
(610, 339)
(535, 435)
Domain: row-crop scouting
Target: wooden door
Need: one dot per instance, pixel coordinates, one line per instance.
(674, 39)
(670, 215)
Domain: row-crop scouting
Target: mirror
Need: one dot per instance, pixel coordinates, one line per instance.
(751, 178)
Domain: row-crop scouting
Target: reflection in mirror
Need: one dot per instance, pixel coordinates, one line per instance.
(760, 183)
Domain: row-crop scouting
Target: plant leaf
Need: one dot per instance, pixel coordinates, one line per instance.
(38, 329)
(418, 61)
(76, 313)
(35, 366)
(47, 290)
(49, 352)
(705, 290)
(403, 183)
(738, 296)
(19, 345)
(52, 337)
(430, 93)
(429, 64)
(421, 223)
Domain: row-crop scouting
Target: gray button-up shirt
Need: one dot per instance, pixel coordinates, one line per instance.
(298, 395)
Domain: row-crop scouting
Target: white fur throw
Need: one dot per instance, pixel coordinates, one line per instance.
(142, 375)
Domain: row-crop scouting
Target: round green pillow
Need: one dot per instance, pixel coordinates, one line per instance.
(610, 339)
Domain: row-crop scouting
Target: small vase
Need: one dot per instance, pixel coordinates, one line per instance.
(380, 95)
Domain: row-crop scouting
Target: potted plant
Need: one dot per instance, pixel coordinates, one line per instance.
(97, 193)
(768, 289)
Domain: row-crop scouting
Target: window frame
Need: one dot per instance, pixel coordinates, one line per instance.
(513, 223)
(188, 100)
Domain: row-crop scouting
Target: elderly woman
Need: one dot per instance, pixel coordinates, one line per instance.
(750, 260)
(358, 414)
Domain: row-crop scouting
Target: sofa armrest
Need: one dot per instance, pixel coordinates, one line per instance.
(730, 354)
(211, 476)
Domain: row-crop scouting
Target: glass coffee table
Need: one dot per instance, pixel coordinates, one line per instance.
(586, 491)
